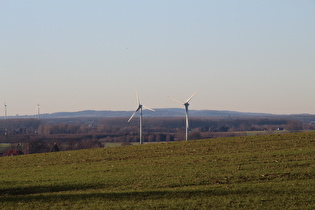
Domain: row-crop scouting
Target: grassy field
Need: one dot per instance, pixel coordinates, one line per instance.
(250, 172)
(255, 133)
(4, 147)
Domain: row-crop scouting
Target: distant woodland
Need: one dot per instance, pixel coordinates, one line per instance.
(51, 135)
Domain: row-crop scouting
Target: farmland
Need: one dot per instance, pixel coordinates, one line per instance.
(39, 136)
(264, 171)
(4, 147)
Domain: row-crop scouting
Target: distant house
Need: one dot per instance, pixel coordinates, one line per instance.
(13, 152)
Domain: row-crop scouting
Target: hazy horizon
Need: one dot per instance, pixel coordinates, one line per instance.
(246, 56)
(170, 112)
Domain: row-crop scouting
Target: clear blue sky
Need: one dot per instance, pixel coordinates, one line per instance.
(253, 56)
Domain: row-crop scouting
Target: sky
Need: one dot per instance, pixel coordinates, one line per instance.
(248, 56)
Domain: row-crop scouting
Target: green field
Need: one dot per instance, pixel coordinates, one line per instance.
(4, 147)
(250, 172)
(255, 133)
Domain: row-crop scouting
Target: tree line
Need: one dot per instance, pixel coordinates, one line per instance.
(47, 135)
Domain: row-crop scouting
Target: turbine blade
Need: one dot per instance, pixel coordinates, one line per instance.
(148, 108)
(133, 114)
(137, 96)
(176, 100)
(190, 97)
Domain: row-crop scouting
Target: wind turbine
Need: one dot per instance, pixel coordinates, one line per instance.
(186, 104)
(38, 111)
(5, 111)
(139, 108)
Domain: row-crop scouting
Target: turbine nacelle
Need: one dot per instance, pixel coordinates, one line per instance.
(140, 107)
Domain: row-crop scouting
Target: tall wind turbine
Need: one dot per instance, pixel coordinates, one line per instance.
(5, 111)
(38, 111)
(139, 108)
(186, 104)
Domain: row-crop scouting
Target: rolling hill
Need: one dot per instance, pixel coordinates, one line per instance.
(266, 172)
(166, 112)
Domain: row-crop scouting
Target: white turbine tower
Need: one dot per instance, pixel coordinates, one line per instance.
(186, 104)
(38, 111)
(140, 106)
(5, 111)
